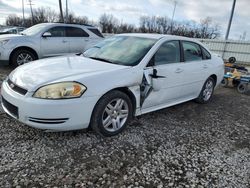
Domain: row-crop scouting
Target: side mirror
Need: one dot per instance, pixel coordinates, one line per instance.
(47, 34)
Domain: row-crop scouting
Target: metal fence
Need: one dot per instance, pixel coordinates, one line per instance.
(238, 49)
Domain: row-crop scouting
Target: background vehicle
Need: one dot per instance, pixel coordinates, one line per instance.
(12, 30)
(47, 40)
(123, 76)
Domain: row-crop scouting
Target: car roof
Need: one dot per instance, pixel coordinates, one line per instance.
(65, 24)
(159, 36)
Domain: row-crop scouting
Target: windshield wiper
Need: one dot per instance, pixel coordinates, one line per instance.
(101, 59)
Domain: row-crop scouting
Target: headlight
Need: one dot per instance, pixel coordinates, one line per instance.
(64, 90)
(4, 41)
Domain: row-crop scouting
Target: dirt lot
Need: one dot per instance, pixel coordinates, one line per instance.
(188, 145)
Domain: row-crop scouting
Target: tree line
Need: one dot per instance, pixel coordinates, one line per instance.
(108, 23)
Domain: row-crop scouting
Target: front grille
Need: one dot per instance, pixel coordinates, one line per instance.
(48, 121)
(16, 88)
(10, 107)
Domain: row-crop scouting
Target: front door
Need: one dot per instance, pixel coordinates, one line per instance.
(163, 77)
(56, 44)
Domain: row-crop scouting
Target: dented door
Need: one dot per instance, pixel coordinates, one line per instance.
(163, 89)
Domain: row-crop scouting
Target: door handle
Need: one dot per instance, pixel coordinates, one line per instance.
(205, 66)
(179, 70)
(64, 41)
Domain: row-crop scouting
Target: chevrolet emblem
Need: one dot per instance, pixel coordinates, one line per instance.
(12, 86)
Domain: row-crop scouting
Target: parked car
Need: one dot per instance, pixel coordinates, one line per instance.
(123, 76)
(12, 30)
(47, 40)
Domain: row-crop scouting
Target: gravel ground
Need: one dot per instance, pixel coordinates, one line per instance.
(188, 145)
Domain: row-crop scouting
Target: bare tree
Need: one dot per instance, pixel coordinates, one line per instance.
(208, 29)
(14, 20)
(77, 19)
(155, 24)
(108, 23)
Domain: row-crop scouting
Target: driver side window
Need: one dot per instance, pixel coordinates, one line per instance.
(57, 31)
(168, 53)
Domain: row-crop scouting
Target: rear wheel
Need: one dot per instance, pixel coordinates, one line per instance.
(112, 113)
(207, 91)
(21, 57)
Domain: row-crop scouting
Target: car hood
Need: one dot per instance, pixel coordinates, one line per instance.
(41, 72)
(10, 36)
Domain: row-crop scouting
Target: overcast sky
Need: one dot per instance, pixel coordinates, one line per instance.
(130, 10)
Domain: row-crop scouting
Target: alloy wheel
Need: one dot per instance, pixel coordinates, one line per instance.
(208, 91)
(23, 58)
(115, 115)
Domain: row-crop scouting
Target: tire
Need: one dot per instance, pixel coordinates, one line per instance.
(21, 57)
(115, 110)
(224, 82)
(242, 88)
(206, 92)
(232, 60)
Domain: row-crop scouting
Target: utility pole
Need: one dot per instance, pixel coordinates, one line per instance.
(230, 20)
(30, 4)
(61, 11)
(67, 12)
(23, 11)
(172, 20)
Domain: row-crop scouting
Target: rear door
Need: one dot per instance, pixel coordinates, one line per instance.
(194, 70)
(78, 39)
(56, 44)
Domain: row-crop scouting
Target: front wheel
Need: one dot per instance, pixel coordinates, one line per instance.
(111, 113)
(21, 57)
(207, 91)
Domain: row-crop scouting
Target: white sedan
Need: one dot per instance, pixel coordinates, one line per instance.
(123, 76)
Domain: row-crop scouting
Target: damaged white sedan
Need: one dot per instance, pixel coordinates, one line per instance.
(123, 76)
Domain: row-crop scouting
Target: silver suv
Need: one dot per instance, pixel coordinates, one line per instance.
(47, 40)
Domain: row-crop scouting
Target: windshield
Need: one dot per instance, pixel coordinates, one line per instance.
(123, 50)
(6, 30)
(34, 29)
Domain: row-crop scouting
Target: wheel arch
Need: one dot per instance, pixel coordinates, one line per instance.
(25, 48)
(125, 90)
(215, 78)
(130, 94)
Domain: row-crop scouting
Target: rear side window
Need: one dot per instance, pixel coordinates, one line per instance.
(75, 32)
(206, 54)
(192, 51)
(57, 31)
(96, 32)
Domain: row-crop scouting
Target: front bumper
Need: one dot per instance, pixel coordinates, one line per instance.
(54, 115)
